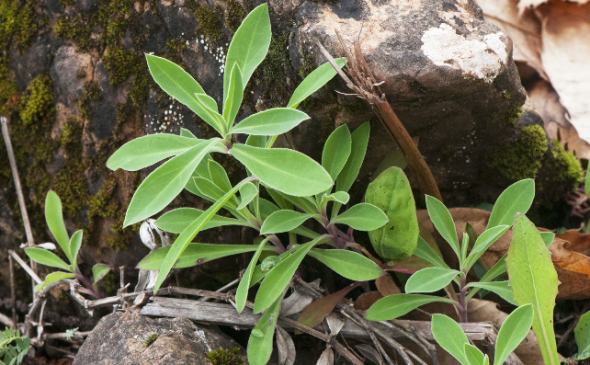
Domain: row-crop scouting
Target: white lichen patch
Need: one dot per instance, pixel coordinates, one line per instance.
(483, 60)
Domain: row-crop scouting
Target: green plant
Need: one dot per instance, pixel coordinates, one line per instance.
(582, 334)
(450, 336)
(150, 338)
(225, 357)
(301, 188)
(11, 354)
(70, 246)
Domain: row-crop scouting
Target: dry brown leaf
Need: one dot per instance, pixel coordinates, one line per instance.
(386, 285)
(365, 300)
(524, 30)
(577, 241)
(526, 4)
(285, 346)
(327, 357)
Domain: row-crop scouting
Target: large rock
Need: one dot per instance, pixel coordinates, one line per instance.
(132, 339)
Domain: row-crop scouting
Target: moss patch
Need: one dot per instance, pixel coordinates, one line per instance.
(234, 15)
(564, 167)
(90, 92)
(75, 29)
(521, 159)
(37, 102)
(120, 63)
(225, 357)
(209, 24)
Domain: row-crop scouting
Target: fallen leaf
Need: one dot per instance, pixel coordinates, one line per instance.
(315, 312)
(365, 300)
(386, 285)
(327, 357)
(370, 354)
(285, 346)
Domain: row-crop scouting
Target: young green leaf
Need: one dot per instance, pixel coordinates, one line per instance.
(339, 197)
(55, 222)
(148, 150)
(99, 271)
(348, 264)
(165, 183)
(360, 140)
(450, 336)
(242, 291)
(46, 258)
(430, 280)
(257, 141)
(483, 242)
(424, 251)
(235, 94)
(534, 280)
(313, 82)
(582, 335)
(513, 331)
(212, 191)
(176, 221)
(270, 122)
(517, 198)
(285, 170)
(219, 176)
(305, 203)
(362, 217)
(279, 277)
(502, 288)
(210, 112)
(473, 354)
(442, 220)
(397, 305)
(391, 191)
(196, 254)
(189, 233)
(336, 151)
(260, 342)
(75, 244)
(249, 45)
(186, 133)
(247, 193)
(52, 278)
(283, 221)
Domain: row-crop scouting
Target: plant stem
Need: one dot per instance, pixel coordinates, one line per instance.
(462, 301)
(88, 285)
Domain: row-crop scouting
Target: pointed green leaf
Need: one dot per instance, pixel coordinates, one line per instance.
(473, 354)
(260, 342)
(517, 198)
(442, 220)
(396, 305)
(360, 140)
(75, 244)
(285, 170)
(249, 45)
(348, 264)
(242, 291)
(483, 242)
(336, 151)
(148, 150)
(219, 176)
(283, 221)
(534, 280)
(279, 277)
(362, 217)
(99, 271)
(165, 183)
(502, 288)
(232, 104)
(186, 133)
(305, 203)
(450, 336)
(55, 222)
(547, 237)
(176, 221)
(189, 233)
(247, 193)
(424, 251)
(313, 82)
(513, 331)
(430, 280)
(270, 122)
(257, 141)
(52, 278)
(46, 258)
(339, 197)
(582, 335)
(210, 112)
(391, 191)
(196, 254)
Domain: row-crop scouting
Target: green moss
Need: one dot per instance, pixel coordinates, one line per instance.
(521, 159)
(37, 102)
(209, 24)
(514, 114)
(90, 92)
(76, 30)
(225, 357)
(66, 3)
(565, 167)
(506, 95)
(26, 24)
(120, 63)
(151, 338)
(234, 15)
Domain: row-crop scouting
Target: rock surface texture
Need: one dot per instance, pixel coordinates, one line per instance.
(74, 82)
(132, 339)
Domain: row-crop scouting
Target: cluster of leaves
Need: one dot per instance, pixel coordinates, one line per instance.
(69, 245)
(13, 347)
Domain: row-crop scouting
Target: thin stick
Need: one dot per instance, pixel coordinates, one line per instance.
(26, 267)
(12, 291)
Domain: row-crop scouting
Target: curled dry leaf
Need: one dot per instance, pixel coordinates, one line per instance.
(370, 354)
(285, 346)
(335, 323)
(295, 303)
(327, 357)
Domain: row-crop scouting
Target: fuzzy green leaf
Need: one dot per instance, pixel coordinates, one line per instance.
(348, 264)
(517, 198)
(283, 221)
(483, 242)
(473, 354)
(430, 280)
(148, 150)
(260, 342)
(313, 82)
(46, 258)
(249, 46)
(582, 335)
(397, 305)
(99, 271)
(502, 288)
(75, 244)
(247, 193)
(424, 251)
(442, 220)
(391, 191)
(52, 278)
(360, 140)
(242, 291)
(336, 151)
(285, 170)
(219, 176)
(186, 133)
(513, 331)
(235, 94)
(362, 217)
(339, 197)
(270, 122)
(55, 222)
(534, 280)
(176, 221)
(450, 336)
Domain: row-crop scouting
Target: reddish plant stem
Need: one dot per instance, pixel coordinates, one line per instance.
(462, 301)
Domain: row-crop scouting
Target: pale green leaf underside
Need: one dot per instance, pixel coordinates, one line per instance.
(350, 171)
(313, 82)
(336, 151)
(176, 221)
(283, 221)
(502, 288)
(430, 280)
(348, 264)
(270, 122)
(450, 336)
(362, 217)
